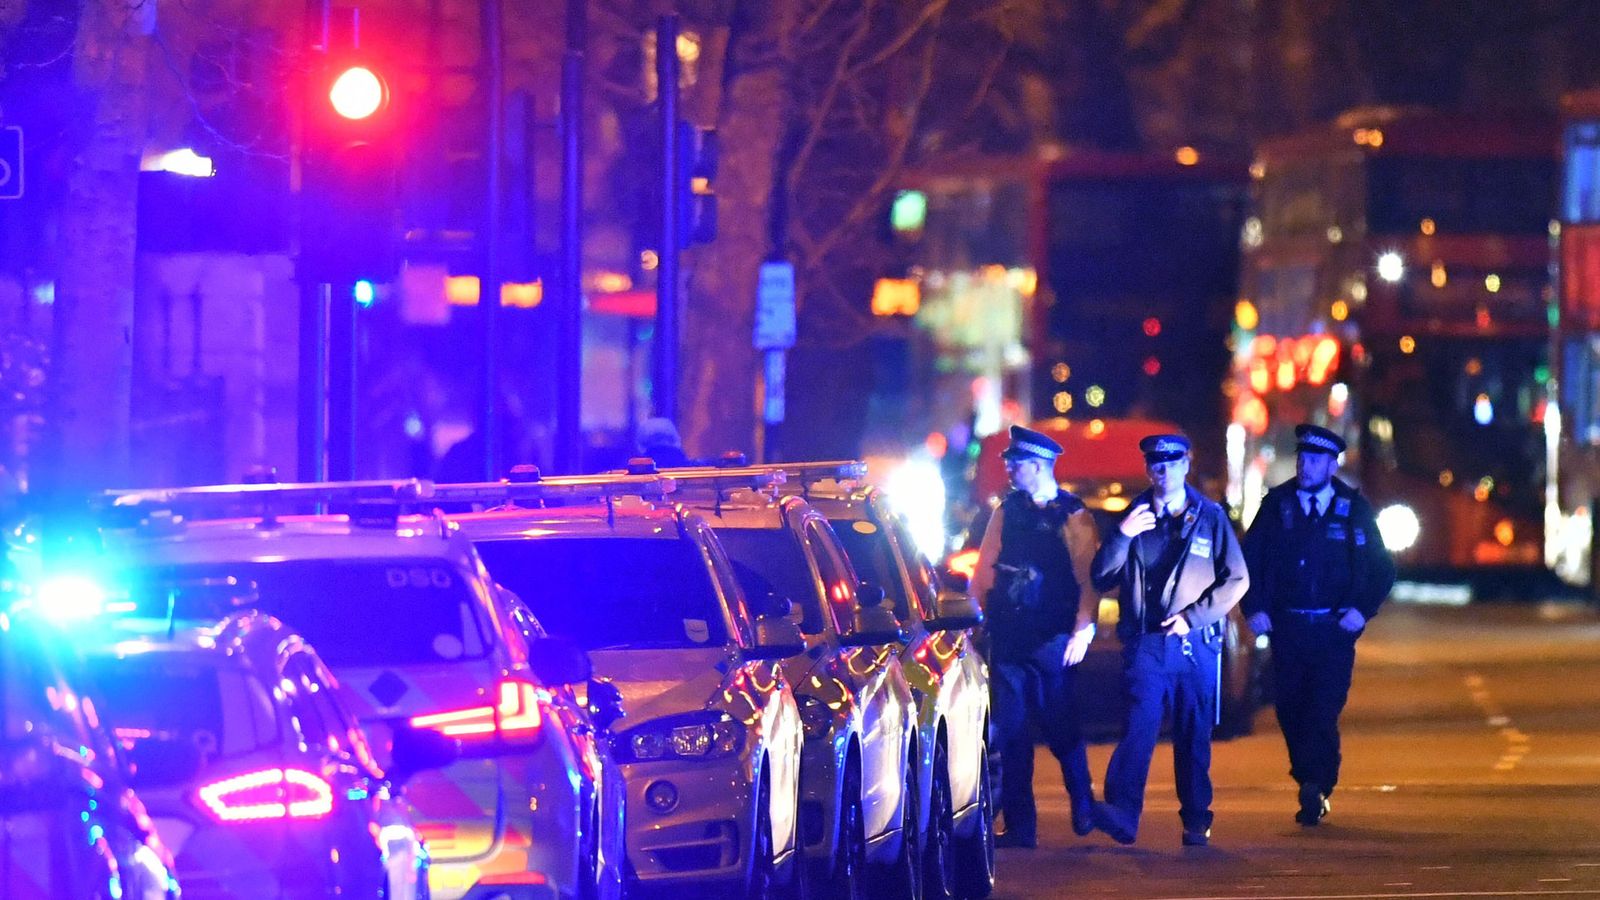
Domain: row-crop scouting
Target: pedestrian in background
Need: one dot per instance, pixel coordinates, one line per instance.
(1033, 577)
(1319, 572)
(1180, 570)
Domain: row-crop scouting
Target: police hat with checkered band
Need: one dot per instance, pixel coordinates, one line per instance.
(1160, 448)
(1316, 439)
(1029, 444)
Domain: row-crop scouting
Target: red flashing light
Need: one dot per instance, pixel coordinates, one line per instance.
(1152, 326)
(268, 794)
(517, 714)
(358, 93)
(1152, 366)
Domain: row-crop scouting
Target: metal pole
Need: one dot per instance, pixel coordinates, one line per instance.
(313, 424)
(665, 376)
(569, 321)
(341, 380)
(489, 423)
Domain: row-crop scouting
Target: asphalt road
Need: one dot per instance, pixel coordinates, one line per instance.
(1471, 769)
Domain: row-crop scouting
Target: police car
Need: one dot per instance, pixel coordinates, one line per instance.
(858, 812)
(710, 748)
(256, 776)
(400, 607)
(70, 824)
(947, 674)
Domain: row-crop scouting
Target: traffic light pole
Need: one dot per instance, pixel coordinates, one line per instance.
(313, 380)
(665, 377)
(489, 424)
(569, 315)
(343, 335)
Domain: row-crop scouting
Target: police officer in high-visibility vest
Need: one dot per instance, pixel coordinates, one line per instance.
(1319, 572)
(1178, 564)
(1033, 576)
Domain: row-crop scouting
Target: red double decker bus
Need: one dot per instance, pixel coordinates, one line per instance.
(1395, 288)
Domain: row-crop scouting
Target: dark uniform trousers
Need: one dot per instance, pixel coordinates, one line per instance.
(1312, 661)
(1038, 689)
(1162, 676)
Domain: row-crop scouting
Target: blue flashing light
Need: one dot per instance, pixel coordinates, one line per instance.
(95, 834)
(365, 293)
(70, 598)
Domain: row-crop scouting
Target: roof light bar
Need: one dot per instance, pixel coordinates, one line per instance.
(755, 478)
(599, 487)
(211, 496)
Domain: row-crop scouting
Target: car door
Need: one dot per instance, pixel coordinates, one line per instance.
(885, 698)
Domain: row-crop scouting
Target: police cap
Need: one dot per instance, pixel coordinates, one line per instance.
(1029, 444)
(1158, 448)
(1316, 439)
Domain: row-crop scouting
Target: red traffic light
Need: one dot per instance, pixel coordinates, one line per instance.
(358, 93)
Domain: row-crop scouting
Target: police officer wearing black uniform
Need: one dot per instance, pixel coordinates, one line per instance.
(1319, 572)
(1033, 576)
(1180, 570)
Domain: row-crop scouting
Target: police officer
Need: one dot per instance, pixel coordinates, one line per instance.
(1180, 570)
(1033, 573)
(1319, 572)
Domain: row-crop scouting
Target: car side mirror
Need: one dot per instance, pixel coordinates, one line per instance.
(957, 611)
(418, 750)
(777, 637)
(874, 622)
(605, 703)
(954, 580)
(559, 660)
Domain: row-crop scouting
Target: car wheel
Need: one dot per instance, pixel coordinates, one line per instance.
(901, 878)
(938, 845)
(762, 882)
(849, 879)
(975, 853)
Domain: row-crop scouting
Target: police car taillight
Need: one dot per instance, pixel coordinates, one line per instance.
(268, 794)
(518, 714)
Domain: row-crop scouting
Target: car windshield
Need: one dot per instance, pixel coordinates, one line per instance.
(769, 563)
(868, 547)
(183, 703)
(358, 612)
(613, 592)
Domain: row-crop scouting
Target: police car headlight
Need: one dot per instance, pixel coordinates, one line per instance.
(700, 736)
(1399, 526)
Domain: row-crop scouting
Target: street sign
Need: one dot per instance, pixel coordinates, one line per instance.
(10, 162)
(775, 307)
(773, 378)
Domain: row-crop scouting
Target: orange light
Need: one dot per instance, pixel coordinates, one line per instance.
(1245, 313)
(1187, 156)
(1505, 532)
(358, 93)
(463, 290)
(896, 297)
(1097, 428)
(963, 563)
(1324, 359)
(938, 445)
(1260, 377)
(1408, 344)
(1428, 227)
(1251, 412)
(1340, 310)
(1285, 375)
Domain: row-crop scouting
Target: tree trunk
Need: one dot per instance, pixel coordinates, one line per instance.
(93, 325)
(718, 385)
